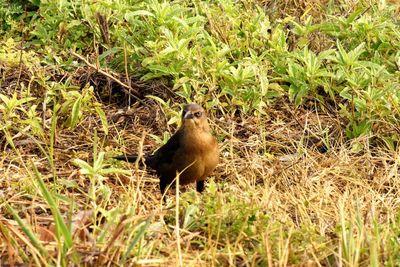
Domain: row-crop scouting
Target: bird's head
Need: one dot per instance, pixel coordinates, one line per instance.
(194, 116)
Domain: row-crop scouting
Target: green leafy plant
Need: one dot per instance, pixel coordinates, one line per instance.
(72, 103)
(12, 108)
(306, 74)
(97, 174)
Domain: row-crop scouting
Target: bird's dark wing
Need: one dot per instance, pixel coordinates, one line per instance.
(165, 154)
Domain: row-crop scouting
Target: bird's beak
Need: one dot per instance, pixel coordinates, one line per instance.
(188, 115)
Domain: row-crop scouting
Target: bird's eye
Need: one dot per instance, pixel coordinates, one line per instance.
(197, 114)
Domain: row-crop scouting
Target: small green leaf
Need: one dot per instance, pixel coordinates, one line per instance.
(130, 16)
(138, 235)
(103, 118)
(76, 110)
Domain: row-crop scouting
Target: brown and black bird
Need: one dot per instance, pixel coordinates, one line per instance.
(192, 151)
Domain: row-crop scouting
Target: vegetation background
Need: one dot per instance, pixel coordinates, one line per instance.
(303, 96)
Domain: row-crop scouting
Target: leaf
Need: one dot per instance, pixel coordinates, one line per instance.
(189, 215)
(139, 234)
(61, 227)
(158, 99)
(110, 51)
(35, 2)
(84, 166)
(4, 98)
(113, 170)
(76, 109)
(354, 15)
(173, 120)
(28, 231)
(98, 163)
(130, 15)
(103, 118)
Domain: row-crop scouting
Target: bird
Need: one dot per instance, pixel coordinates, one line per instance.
(192, 152)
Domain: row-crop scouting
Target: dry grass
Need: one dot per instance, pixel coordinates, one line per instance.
(279, 196)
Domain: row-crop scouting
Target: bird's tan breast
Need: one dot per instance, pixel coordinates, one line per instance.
(201, 156)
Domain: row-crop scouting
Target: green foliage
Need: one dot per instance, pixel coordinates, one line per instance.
(18, 117)
(11, 57)
(72, 103)
(63, 232)
(230, 62)
(230, 54)
(62, 23)
(173, 115)
(362, 79)
(15, 13)
(141, 230)
(97, 173)
(306, 74)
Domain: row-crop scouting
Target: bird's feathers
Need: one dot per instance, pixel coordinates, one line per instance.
(192, 151)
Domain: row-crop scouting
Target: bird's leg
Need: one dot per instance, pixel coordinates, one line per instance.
(163, 185)
(200, 186)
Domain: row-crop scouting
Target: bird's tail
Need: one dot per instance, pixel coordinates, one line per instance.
(128, 158)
